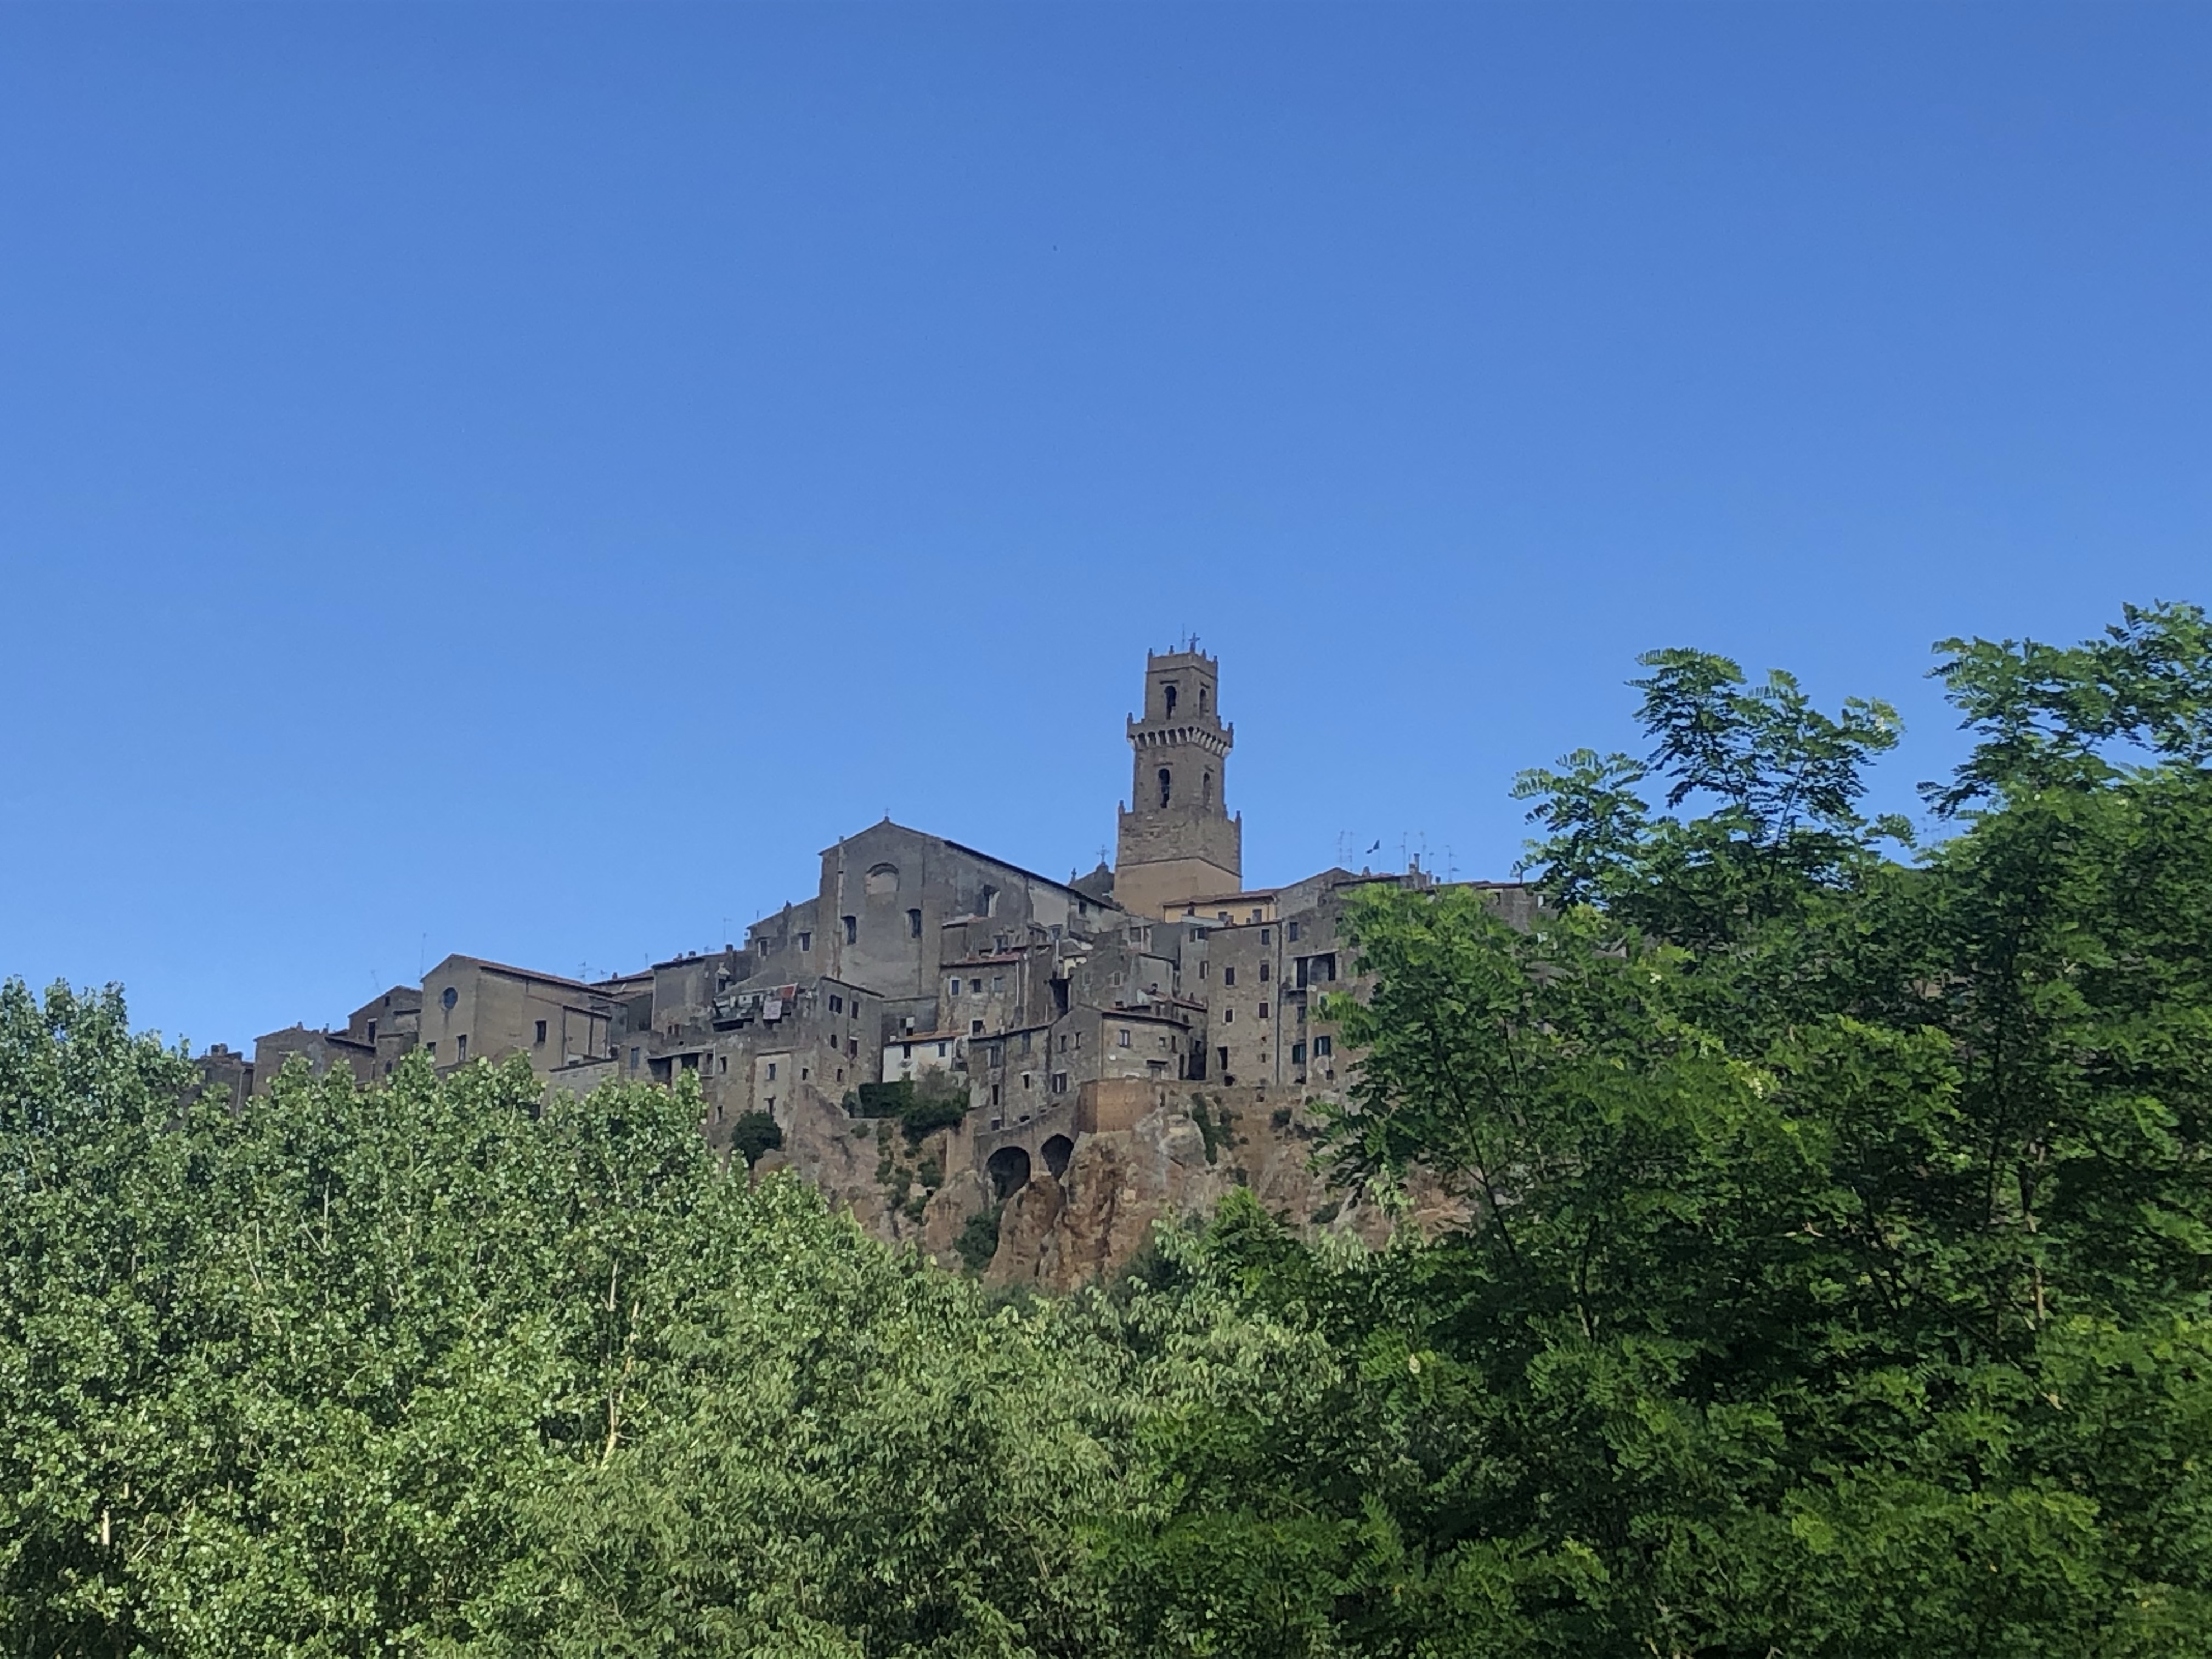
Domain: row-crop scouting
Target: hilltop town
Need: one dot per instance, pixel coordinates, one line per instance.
(1122, 1042)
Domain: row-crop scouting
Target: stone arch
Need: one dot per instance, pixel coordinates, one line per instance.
(1057, 1151)
(883, 878)
(1009, 1170)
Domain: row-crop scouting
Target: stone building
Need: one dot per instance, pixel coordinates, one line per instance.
(1067, 1010)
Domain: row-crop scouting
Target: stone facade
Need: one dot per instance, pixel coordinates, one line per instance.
(1102, 1028)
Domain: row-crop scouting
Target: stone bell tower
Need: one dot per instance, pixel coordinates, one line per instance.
(1176, 839)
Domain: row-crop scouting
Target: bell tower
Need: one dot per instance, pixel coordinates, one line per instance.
(1177, 840)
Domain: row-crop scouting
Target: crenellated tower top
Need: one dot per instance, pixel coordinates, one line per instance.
(1177, 840)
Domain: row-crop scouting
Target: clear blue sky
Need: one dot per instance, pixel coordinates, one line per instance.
(521, 480)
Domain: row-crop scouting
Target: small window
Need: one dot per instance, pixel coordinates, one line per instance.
(853, 930)
(998, 1055)
(1025, 1041)
(721, 1065)
(906, 1051)
(1121, 1040)
(1167, 786)
(432, 1045)
(1263, 1010)
(1201, 968)
(461, 1048)
(805, 1073)
(975, 1028)
(1228, 1016)
(1324, 1047)
(940, 1051)
(1292, 934)
(1063, 1042)
(633, 1058)
(1264, 932)
(998, 983)
(1229, 975)
(1170, 692)
(956, 988)
(1060, 1083)
(986, 901)
(1297, 1054)
(540, 1038)
(1222, 1060)
(1029, 1080)
(1205, 791)
(912, 924)
(994, 1098)
(771, 1070)
(836, 1003)
(372, 1029)
(807, 941)
(1265, 971)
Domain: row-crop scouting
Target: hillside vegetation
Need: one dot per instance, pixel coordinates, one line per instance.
(1837, 1284)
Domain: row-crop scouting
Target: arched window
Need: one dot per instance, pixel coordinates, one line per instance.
(883, 879)
(1171, 699)
(1165, 785)
(1201, 697)
(1206, 792)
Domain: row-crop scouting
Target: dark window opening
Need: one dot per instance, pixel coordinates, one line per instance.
(1057, 1151)
(1205, 791)
(807, 941)
(851, 930)
(1166, 786)
(912, 924)
(1170, 692)
(541, 1033)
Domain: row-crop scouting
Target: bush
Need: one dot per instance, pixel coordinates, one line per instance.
(979, 1239)
(753, 1134)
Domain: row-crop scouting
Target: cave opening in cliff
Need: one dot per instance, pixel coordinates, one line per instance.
(1009, 1170)
(1057, 1151)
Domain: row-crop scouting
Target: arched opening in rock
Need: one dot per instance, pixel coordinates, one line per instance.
(1057, 1151)
(1009, 1170)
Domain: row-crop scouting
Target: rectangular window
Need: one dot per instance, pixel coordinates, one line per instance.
(998, 1055)
(940, 1051)
(1324, 1047)
(1292, 934)
(1221, 1058)
(851, 930)
(807, 941)
(1229, 977)
(541, 1033)
(1297, 1054)
(1028, 1079)
(956, 988)
(1264, 973)
(1263, 1010)
(633, 1058)
(721, 1066)
(461, 1048)
(975, 1028)
(836, 1003)
(1063, 1042)
(771, 1070)
(994, 1094)
(1122, 1041)
(1264, 932)
(1228, 1016)
(1025, 1043)
(998, 983)
(432, 1045)
(913, 924)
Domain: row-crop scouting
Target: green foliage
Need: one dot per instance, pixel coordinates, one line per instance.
(978, 1240)
(939, 1100)
(1834, 1282)
(753, 1134)
(1213, 1131)
(922, 1106)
